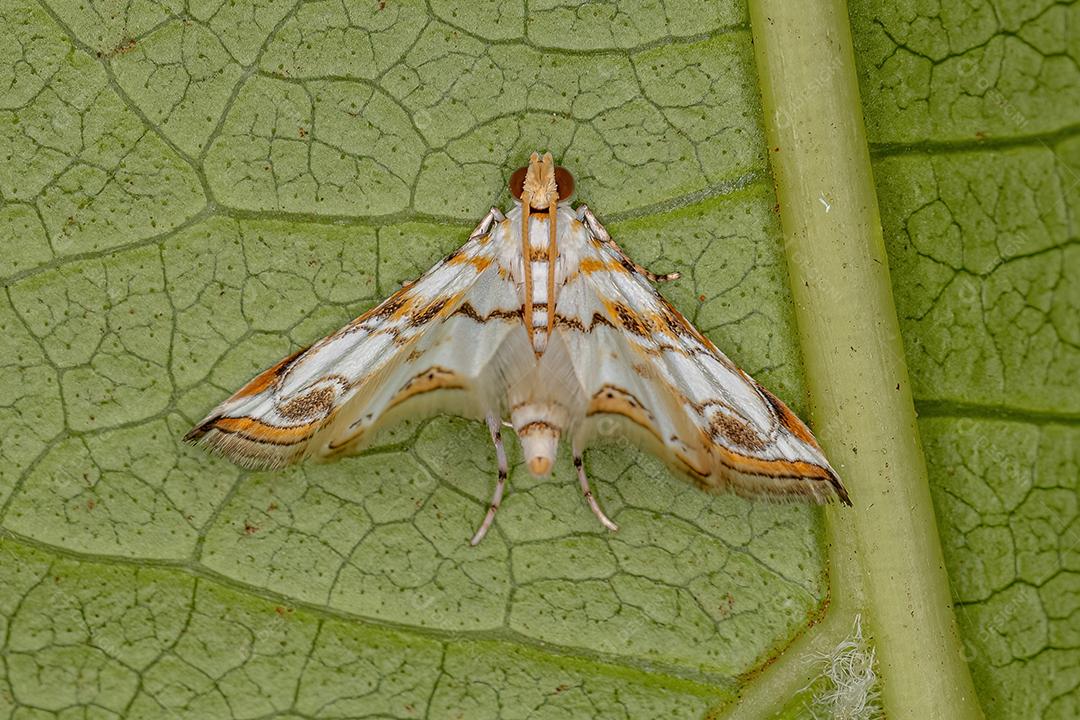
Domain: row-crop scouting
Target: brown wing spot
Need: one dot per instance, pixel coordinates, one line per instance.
(400, 337)
(570, 322)
(630, 321)
(428, 313)
(315, 403)
(734, 430)
(669, 324)
(598, 319)
(662, 348)
(515, 314)
(267, 377)
(617, 401)
(434, 378)
(471, 312)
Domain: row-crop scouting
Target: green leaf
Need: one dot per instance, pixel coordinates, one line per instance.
(191, 191)
(971, 115)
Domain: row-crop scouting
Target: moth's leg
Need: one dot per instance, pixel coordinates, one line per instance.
(585, 215)
(589, 498)
(493, 216)
(500, 484)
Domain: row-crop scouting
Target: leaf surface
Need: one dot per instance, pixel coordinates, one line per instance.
(972, 115)
(190, 192)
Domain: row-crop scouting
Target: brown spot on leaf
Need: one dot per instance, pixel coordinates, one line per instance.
(122, 48)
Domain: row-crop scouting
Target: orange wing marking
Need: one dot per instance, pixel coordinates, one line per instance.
(260, 432)
(267, 377)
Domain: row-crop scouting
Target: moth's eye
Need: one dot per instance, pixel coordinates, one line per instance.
(517, 182)
(564, 181)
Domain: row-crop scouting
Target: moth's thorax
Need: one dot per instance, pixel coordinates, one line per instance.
(566, 221)
(538, 426)
(570, 237)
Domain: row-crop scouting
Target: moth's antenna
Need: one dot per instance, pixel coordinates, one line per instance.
(553, 252)
(527, 262)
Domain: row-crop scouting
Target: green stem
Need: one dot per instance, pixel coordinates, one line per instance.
(856, 371)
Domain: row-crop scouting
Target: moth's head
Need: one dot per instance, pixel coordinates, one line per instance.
(541, 183)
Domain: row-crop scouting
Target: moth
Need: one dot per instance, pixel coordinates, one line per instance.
(539, 322)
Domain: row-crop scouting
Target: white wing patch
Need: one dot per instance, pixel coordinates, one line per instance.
(539, 319)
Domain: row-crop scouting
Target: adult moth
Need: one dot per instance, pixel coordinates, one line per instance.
(542, 320)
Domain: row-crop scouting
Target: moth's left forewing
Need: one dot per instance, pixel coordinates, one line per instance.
(709, 419)
(420, 351)
(458, 365)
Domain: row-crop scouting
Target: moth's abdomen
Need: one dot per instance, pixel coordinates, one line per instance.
(540, 311)
(539, 241)
(538, 425)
